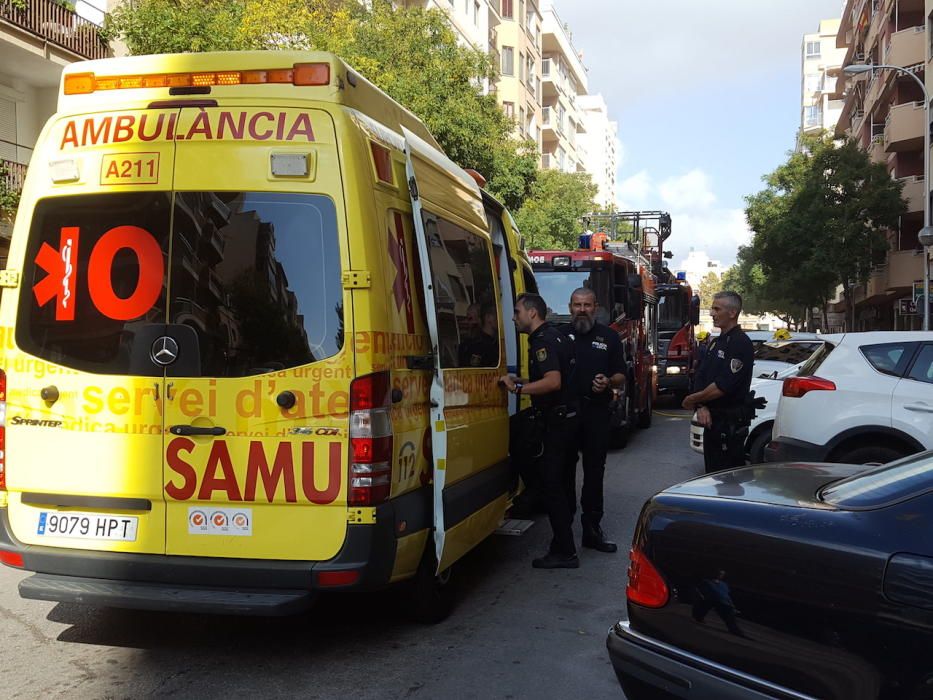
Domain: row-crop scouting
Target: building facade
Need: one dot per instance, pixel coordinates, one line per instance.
(820, 87)
(518, 44)
(564, 80)
(883, 111)
(600, 144)
(36, 42)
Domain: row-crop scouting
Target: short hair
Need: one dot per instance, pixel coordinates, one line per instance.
(533, 301)
(584, 291)
(733, 299)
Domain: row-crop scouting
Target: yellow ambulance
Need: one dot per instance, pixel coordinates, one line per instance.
(241, 361)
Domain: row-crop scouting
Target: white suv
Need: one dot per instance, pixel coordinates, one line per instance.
(867, 398)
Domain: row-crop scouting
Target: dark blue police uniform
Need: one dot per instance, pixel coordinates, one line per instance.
(597, 352)
(548, 351)
(728, 364)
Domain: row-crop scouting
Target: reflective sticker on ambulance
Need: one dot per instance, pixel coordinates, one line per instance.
(220, 521)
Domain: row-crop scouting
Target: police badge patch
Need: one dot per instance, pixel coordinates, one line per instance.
(541, 354)
(735, 366)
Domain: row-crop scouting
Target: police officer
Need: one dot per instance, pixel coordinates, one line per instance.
(724, 378)
(600, 368)
(550, 386)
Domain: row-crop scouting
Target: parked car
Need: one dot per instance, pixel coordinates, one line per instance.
(867, 398)
(783, 581)
(768, 385)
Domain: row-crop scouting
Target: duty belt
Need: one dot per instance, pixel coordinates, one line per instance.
(561, 411)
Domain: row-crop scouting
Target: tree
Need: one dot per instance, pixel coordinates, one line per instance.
(709, 286)
(550, 217)
(819, 223)
(411, 53)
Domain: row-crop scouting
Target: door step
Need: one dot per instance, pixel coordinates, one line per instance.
(513, 527)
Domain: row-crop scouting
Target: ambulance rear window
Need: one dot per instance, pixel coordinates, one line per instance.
(252, 279)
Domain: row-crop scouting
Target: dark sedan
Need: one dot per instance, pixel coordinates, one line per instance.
(783, 581)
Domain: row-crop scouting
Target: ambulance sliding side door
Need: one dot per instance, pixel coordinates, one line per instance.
(469, 412)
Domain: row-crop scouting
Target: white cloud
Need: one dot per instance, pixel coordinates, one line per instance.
(634, 191)
(717, 232)
(690, 191)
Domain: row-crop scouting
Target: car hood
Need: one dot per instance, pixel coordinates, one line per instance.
(785, 484)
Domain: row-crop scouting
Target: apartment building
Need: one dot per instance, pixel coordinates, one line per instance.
(563, 78)
(36, 42)
(820, 68)
(599, 141)
(518, 42)
(883, 111)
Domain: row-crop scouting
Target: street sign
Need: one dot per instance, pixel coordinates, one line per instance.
(906, 307)
(918, 291)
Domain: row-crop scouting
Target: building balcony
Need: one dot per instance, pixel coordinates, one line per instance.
(903, 129)
(903, 267)
(55, 24)
(876, 151)
(879, 82)
(913, 192)
(906, 47)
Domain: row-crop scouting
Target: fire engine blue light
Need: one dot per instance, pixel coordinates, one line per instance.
(583, 243)
(681, 275)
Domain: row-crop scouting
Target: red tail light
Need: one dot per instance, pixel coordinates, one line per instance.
(645, 585)
(371, 449)
(12, 559)
(2, 430)
(795, 387)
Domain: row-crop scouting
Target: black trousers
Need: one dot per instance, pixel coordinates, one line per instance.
(724, 446)
(552, 468)
(591, 439)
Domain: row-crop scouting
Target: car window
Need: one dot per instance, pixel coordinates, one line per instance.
(792, 352)
(922, 369)
(889, 483)
(887, 358)
(816, 359)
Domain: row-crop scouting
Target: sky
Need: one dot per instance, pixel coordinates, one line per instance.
(707, 98)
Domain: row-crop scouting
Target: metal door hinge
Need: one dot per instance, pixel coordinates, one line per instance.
(356, 279)
(361, 516)
(9, 278)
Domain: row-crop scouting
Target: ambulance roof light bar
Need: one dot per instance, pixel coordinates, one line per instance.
(300, 74)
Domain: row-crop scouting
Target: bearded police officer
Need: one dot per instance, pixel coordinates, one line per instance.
(600, 368)
(550, 387)
(723, 380)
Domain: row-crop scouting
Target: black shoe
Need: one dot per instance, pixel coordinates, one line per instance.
(594, 538)
(556, 561)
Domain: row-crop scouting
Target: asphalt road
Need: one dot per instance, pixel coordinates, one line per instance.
(516, 633)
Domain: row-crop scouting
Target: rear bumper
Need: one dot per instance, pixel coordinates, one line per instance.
(670, 382)
(207, 584)
(640, 659)
(790, 450)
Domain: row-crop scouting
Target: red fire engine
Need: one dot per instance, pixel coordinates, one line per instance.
(616, 261)
(678, 313)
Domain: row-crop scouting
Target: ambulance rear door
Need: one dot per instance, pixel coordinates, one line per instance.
(469, 411)
(84, 428)
(257, 409)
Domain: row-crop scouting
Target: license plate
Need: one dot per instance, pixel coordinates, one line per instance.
(88, 526)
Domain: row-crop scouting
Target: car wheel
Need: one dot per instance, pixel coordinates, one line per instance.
(644, 418)
(430, 596)
(869, 454)
(756, 446)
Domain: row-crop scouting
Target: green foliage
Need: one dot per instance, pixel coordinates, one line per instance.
(820, 222)
(411, 53)
(550, 217)
(9, 196)
(709, 286)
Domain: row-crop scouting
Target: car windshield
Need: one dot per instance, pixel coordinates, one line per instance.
(889, 483)
(556, 288)
(672, 311)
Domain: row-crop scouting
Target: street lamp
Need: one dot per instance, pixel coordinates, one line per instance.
(926, 233)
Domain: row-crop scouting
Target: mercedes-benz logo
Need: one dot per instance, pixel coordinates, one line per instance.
(164, 350)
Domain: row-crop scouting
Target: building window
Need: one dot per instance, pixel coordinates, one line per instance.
(521, 66)
(509, 109)
(475, 14)
(521, 115)
(508, 60)
(813, 49)
(813, 116)
(812, 83)
(508, 12)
